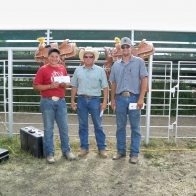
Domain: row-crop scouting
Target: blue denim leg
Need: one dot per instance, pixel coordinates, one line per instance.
(135, 118)
(48, 114)
(82, 111)
(121, 121)
(92, 106)
(122, 104)
(62, 123)
(54, 110)
(94, 109)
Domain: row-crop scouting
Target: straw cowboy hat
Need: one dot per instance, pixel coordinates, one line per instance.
(88, 50)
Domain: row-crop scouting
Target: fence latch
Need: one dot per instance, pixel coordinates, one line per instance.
(172, 90)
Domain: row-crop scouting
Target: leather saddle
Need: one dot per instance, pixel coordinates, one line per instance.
(109, 61)
(67, 50)
(143, 50)
(41, 53)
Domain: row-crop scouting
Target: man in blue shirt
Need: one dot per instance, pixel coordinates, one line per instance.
(87, 82)
(129, 82)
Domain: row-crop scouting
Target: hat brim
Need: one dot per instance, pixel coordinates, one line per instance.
(125, 44)
(83, 51)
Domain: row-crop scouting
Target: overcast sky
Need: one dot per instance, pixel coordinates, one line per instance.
(161, 15)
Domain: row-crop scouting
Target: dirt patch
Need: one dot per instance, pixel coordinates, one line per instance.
(165, 174)
(166, 170)
(158, 125)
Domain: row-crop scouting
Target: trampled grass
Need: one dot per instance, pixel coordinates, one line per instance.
(160, 163)
(155, 145)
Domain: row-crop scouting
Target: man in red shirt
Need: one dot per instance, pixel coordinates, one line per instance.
(53, 105)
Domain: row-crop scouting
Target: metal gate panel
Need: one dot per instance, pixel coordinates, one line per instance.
(185, 101)
(3, 76)
(161, 106)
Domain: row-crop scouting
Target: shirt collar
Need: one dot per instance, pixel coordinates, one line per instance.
(131, 59)
(93, 67)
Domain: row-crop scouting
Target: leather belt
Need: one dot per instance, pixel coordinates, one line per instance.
(126, 94)
(88, 96)
(54, 98)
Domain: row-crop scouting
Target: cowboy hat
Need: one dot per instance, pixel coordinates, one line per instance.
(88, 50)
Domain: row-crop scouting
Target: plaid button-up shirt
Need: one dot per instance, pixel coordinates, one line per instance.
(89, 81)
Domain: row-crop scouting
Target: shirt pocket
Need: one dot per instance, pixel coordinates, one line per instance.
(95, 82)
(81, 78)
(134, 73)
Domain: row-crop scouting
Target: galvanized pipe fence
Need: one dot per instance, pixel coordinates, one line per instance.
(151, 65)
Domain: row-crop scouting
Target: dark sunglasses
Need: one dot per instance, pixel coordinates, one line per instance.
(125, 46)
(88, 57)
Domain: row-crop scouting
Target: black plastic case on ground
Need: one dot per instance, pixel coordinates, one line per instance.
(32, 140)
(4, 154)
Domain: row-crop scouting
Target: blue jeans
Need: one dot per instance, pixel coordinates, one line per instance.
(122, 104)
(92, 106)
(54, 110)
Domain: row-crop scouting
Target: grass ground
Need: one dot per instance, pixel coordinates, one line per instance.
(164, 168)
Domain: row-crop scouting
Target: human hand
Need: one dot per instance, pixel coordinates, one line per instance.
(54, 84)
(140, 103)
(73, 106)
(103, 106)
(64, 85)
(113, 105)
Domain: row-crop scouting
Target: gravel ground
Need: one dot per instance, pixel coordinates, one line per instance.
(158, 128)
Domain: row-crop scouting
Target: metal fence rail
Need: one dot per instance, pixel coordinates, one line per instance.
(147, 128)
(184, 130)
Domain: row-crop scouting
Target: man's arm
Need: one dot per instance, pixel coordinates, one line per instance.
(105, 99)
(41, 87)
(73, 94)
(142, 92)
(65, 85)
(113, 92)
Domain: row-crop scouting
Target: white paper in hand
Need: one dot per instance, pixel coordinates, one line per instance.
(60, 79)
(101, 113)
(133, 106)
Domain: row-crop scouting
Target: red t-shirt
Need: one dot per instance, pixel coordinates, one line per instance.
(45, 76)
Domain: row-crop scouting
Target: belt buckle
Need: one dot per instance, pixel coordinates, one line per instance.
(87, 96)
(126, 94)
(54, 98)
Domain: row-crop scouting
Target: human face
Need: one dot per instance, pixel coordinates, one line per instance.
(53, 59)
(126, 50)
(88, 59)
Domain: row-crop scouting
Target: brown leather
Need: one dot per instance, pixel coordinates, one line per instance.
(118, 156)
(143, 50)
(83, 153)
(108, 64)
(88, 96)
(116, 52)
(41, 53)
(126, 94)
(103, 153)
(67, 50)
